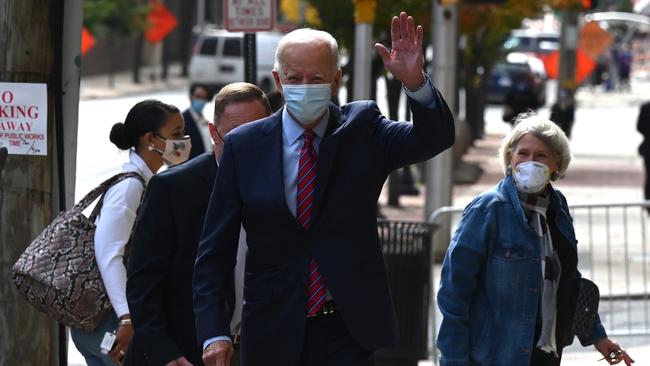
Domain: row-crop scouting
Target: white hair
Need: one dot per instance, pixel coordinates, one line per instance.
(306, 36)
(548, 132)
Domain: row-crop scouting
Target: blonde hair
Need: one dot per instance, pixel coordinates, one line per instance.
(548, 132)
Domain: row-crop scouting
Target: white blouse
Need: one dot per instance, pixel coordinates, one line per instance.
(114, 225)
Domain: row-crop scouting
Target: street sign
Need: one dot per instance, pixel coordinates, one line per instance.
(87, 40)
(23, 118)
(161, 22)
(249, 15)
(594, 40)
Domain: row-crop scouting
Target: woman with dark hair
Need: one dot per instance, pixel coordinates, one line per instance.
(153, 134)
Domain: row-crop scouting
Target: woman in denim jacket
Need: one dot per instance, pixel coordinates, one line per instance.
(509, 280)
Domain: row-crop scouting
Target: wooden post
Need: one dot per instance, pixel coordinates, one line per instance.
(31, 38)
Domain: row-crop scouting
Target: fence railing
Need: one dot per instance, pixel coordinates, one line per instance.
(613, 252)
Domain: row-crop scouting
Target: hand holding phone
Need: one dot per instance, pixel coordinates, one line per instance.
(107, 342)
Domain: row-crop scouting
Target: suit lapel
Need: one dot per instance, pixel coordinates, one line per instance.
(326, 154)
(272, 135)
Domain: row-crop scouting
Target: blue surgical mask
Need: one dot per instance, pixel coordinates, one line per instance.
(198, 105)
(307, 102)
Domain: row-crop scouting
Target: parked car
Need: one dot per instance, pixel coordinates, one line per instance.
(517, 68)
(218, 58)
(532, 41)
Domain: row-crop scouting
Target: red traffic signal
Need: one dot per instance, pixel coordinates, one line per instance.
(589, 4)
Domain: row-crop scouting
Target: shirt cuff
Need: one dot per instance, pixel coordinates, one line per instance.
(425, 95)
(209, 341)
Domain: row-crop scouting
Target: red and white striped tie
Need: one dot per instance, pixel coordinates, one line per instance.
(307, 168)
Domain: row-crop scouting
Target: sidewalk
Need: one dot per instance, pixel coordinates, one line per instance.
(98, 87)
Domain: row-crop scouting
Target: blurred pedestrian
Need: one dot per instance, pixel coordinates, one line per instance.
(508, 287)
(519, 99)
(643, 126)
(153, 135)
(159, 287)
(563, 112)
(304, 183)
(623, 58)
(196, 125)
(275, 100)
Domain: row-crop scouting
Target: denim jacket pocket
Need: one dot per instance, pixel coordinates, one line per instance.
(511, 252)
(508, 273)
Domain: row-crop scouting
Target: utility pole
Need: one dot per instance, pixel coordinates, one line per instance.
(568, 49)
(439, 170)
(33, 187)
(364, 16)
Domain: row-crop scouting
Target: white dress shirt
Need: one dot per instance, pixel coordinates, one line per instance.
(113, 231)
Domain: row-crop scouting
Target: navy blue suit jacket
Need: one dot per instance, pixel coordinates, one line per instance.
(163, 250)
(360, 148)
(192, 130)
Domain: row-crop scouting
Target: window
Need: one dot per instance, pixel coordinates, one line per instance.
(209, 46)
(232, 47)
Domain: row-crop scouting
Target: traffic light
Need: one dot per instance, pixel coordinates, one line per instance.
(454, 2)
(589, 4)
(496, 2)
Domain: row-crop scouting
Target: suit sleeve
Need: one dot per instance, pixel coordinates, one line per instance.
(213, 282)
(403, 143)
(459, 279)
(152, 249)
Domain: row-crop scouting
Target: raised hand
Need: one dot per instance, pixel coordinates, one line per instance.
(405, 59)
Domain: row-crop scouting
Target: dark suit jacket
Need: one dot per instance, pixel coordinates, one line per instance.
(159, 286)
(192, 130)
(360, 148)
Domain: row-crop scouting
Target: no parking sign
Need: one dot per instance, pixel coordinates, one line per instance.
(249, 15)
(23, 118)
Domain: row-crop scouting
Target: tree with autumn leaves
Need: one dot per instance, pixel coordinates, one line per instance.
(485, 27)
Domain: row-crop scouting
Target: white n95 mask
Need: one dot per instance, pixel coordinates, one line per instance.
(307, 102)
(531, 176)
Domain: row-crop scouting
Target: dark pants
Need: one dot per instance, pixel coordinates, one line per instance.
(235, 358)
(329, 343)
(541, 358)
(646, 162)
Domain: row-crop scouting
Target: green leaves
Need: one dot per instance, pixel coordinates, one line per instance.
(118, 18)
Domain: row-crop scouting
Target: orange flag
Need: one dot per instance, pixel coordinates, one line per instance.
(584, 65)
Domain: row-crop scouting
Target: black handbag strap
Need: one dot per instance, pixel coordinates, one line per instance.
(101, 191)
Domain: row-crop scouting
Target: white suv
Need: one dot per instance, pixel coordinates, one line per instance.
(218, 58)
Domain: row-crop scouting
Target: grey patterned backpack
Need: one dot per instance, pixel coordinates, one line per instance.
(58, 274)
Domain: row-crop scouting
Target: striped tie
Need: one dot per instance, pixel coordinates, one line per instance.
(307, 168)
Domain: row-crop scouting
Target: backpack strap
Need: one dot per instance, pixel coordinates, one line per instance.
(101, 191)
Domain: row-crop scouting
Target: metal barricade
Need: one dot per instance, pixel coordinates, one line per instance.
(614, 253)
